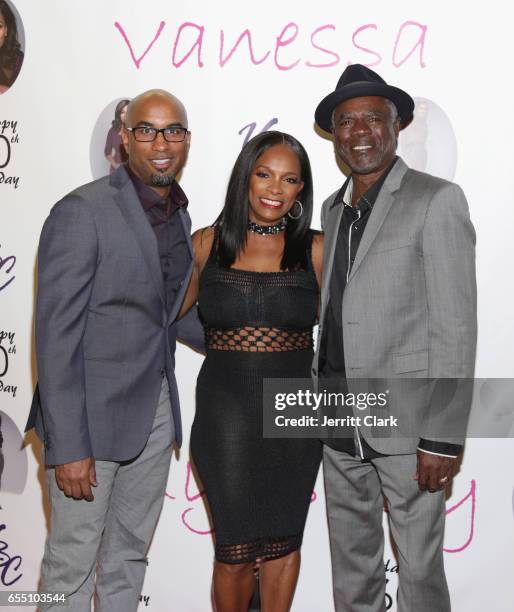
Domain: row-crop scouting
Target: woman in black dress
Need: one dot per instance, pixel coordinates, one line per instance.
(256, 277)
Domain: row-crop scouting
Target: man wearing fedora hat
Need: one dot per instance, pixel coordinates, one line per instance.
(398, 306)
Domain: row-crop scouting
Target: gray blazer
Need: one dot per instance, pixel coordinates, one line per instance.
(104, 340)
(409, 307)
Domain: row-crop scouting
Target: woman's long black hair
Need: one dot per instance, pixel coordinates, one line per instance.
(116, 123)
(232, 224)
(10, 50)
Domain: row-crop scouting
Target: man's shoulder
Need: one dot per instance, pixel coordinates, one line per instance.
(97, 193)
(327, 203)
(89, 192)
(422, 181)
(425, 193)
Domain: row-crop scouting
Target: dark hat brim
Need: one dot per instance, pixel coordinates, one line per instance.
(401, 99)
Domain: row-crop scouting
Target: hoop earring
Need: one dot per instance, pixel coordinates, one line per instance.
(295, 217)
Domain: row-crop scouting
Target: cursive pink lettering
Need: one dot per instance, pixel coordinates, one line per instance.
(246, 34)
(137, 60)
(419, 42)
(186, 523)
(282, 41)
(336, 57)
(189, 495)
(367, 26)
(196, 44)
(471, 496)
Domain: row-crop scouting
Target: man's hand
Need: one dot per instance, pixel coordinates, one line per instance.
(434, 472)
(76, 478)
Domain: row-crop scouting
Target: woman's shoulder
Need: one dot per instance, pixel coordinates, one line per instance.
(203, 240)
(203, 237)
(316, 238)
(315, 234)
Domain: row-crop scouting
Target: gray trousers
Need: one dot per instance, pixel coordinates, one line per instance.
(110, 535)
(354, 491)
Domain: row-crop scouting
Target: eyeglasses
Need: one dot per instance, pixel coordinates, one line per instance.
(149, 134)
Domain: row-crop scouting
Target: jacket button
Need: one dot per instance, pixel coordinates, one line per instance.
(163, 373)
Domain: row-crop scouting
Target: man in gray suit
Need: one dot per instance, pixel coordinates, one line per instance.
(115, 258)
(398, 305)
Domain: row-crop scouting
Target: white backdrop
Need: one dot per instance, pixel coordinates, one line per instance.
(81, 57)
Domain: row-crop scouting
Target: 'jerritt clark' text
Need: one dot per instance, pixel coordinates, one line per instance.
(347, 421)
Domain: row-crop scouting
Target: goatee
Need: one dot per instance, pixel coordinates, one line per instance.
(162, 180)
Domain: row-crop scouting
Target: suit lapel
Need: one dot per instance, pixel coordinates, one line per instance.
(382, 206)
(131, 209)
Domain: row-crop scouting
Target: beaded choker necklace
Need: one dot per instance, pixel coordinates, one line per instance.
(267, 230)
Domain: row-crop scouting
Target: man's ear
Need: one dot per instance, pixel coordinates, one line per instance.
(397, 127)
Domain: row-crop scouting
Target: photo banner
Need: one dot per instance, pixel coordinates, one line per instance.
(240, 70)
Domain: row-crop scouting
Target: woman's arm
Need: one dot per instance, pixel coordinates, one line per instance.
(317, 255)
(202, 241)
(317, 261)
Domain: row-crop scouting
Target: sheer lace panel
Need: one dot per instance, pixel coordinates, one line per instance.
(258, 339)
(265, 549)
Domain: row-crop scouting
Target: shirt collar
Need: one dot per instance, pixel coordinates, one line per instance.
(149, 198)
(371, 194)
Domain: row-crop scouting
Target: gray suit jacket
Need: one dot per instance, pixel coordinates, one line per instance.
(104, 340)
(409, 307)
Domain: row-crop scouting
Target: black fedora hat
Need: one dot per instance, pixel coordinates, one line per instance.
(357, 81)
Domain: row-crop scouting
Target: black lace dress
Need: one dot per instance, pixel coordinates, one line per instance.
(258, 325)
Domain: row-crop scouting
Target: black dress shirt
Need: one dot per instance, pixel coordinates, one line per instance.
(169, 232)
